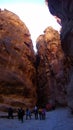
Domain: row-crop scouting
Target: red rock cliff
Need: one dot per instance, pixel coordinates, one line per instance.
(17, 59)
(50, 68)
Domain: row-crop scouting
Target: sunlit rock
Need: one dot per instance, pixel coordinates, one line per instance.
(17, 60)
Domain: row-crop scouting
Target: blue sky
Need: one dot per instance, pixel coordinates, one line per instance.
(22, 1)
(34, 13)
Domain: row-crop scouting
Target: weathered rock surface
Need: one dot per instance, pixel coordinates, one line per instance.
(17, 59)
(52, 77)
(50, 68)
(64, 10)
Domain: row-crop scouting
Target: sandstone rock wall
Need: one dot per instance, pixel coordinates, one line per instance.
(26, 78)
(17, 60)
(50, 68)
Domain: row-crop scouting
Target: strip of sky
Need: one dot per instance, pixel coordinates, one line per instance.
(21, 1)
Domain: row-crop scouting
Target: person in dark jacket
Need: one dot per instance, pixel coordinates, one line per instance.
(10, 112)
(20, 114)
(36, 112)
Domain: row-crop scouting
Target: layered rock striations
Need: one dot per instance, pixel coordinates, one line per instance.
(17, 61)
(26, 78)
(51, 78)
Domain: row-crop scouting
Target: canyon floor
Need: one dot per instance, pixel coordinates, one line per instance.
(59, 119)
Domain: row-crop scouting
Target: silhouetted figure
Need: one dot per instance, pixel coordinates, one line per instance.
(40, 113)
(28, 114)
(36, 112)
(43, 114)
(10, 113)
(20, 114)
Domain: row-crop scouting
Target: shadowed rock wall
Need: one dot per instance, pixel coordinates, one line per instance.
(64, 10)
(50, 68)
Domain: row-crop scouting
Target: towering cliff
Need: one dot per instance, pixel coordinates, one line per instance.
(26, 78)
(50, 68)
(63, 9)
(17, 61)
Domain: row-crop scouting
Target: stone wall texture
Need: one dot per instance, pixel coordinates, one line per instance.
(27, 78)
(17, 61)
(63, 9)
(51, 78)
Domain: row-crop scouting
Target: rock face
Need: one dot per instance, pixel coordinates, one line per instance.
(50, 68)
(17, 59)
(64, 10)
(22, 82)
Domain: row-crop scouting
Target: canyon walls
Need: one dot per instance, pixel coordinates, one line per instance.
(26, 77)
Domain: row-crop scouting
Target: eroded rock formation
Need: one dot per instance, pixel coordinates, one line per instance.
(50, 68)
(17, 59)
(22, 82)
(64, 10)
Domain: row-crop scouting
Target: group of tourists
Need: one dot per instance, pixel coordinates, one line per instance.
(39, 113)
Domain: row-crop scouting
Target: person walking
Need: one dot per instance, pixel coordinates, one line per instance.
(10, 113)
(20, 114)
(36, 112)
(40, 113)
(43, 113)
(28, 113)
